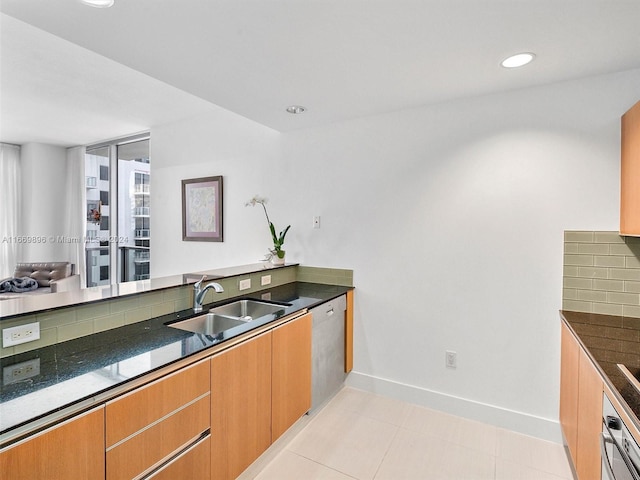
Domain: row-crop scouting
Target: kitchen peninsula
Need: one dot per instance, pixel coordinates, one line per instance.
(80, 378)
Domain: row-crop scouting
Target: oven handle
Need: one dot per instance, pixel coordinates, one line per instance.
(604, 439)
(607, 437)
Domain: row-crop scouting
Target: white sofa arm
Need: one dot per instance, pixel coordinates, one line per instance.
(65, 284)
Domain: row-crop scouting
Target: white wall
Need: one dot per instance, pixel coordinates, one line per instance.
(43, 173)
(219, 143)
(451, 216)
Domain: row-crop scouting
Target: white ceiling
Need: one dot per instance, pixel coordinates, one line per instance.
(339, 58)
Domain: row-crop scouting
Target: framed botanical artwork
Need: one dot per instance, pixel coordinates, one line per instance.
(202, 209)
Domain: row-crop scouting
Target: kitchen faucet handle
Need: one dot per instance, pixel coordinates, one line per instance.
(198, 283)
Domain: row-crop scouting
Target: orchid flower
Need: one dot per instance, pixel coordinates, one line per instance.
(278, 240)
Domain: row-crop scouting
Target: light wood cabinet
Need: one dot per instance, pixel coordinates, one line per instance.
(259, 389)
(291, 374)
(193, 464)
(71, 450)
(240, 406)
(569, 367)
(348, 334)
(152, 424)
(590, 387)
(581, 389)
(630, 172)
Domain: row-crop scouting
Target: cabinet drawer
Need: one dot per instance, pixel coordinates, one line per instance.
(71, 450)
(138, 409)
(149, 447)
(194, 464)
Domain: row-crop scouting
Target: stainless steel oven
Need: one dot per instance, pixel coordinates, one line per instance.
(620, 452)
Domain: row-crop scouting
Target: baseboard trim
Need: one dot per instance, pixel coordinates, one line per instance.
(539, 427)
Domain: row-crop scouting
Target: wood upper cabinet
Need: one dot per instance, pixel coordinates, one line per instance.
(581, 389)
(240, 406)
(291, 374)
(71, 450)
(630, 172)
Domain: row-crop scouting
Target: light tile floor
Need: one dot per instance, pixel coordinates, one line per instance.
(363, 436)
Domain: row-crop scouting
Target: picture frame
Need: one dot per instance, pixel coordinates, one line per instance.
(202, 209)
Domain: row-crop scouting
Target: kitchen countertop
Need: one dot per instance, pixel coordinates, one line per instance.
(76, 372)
(611, 340)
(15, 306)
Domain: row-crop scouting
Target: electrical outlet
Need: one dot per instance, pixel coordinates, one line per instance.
(20, 371)
(265, 280)
(316, 222)
(451, 359)
(20, 334)
(244, 284)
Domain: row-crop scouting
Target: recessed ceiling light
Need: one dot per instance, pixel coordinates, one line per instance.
(295, 109)
(518, 60)
(98, 3)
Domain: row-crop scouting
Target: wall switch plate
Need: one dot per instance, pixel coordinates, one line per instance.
(20, 371)
(20, 334)
(451, 359)
(244, 284)
(316, 222)
(265, 280)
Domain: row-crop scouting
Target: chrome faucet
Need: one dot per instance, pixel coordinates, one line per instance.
(199, 293)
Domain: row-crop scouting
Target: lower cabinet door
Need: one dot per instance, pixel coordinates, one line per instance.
(569, 370)
(590, 421)
(193, 464)
(71, 450)
(291, 374)
(240, 406)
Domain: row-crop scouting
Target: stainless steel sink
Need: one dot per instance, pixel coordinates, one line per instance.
(248, 310)
(207, 324)
(228, 316)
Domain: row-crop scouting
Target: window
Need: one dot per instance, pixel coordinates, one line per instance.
(118, 207)
(104, 272)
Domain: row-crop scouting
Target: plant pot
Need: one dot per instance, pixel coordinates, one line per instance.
(275, 260)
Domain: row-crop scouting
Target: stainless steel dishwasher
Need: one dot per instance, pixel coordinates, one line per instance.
(327, 350)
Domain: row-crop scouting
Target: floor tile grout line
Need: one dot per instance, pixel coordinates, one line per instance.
(386, 452)
(321, 464)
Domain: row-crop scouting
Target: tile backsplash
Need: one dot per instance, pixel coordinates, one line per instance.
(77, 321)
(601, 273)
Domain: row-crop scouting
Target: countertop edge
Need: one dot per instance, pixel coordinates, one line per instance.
(629, 413)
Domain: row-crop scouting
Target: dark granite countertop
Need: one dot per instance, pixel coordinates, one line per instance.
(76, 371)
(611, 340)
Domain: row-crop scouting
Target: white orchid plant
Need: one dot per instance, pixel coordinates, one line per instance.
(278, 240)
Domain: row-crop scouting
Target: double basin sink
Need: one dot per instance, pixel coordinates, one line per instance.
(228, 316)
